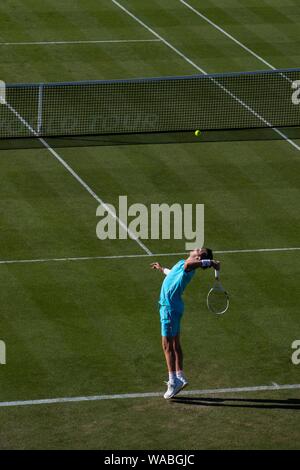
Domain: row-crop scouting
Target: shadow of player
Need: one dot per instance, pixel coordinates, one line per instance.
(289, 404)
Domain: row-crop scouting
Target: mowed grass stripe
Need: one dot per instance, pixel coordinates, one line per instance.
(269, 30)
(56, 155)
(78, 62)
(232, 38)
(197, 67)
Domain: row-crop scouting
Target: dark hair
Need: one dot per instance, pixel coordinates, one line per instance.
(208, 254)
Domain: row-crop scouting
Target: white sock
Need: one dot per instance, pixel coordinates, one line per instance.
(172, 377)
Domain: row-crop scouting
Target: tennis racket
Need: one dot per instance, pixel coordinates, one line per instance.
(217, 298)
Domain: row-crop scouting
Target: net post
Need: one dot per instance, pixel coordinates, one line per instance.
(40, 109)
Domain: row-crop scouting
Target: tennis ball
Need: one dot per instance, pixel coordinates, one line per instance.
(197, 133)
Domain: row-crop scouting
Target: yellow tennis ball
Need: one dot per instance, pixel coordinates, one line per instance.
(197, 133)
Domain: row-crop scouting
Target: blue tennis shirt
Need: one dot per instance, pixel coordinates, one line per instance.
(173, 286)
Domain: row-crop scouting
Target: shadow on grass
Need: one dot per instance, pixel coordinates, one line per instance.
(144, 138)
(289, 404)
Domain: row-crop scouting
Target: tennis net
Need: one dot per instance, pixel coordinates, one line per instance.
(245, 100)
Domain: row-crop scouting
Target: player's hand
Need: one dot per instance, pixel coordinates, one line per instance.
(216, 265)
(157, 266)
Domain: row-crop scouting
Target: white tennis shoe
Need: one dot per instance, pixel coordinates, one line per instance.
(173, 389)
(184, 383)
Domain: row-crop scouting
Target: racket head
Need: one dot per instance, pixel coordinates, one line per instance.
(217, 299)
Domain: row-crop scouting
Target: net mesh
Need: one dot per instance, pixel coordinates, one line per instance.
(174, 104)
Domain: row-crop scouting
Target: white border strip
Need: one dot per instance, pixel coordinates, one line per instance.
(50, 43)
(50, 401)
(181, 253)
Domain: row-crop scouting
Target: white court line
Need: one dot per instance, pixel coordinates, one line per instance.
(228, 35)
(46, 43)
(232, 38)
(50, 401)
(275, 384)
(80, 180)
(158, 36)
(90, 258)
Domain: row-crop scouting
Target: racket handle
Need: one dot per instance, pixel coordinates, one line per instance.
(217, 274)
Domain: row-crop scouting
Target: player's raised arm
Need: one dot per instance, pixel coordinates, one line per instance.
(191, 264)
(201, 258)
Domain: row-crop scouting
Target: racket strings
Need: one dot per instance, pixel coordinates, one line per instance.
(217, 301)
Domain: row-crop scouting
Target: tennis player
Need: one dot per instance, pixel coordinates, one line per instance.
(171, 309)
